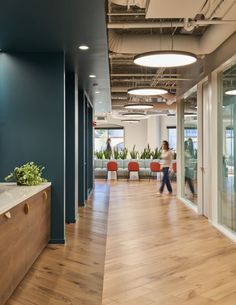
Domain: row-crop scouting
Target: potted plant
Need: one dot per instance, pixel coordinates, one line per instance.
(156, 154)
(116, 153)
(99, 154)
(27, 174)
(133, 153)
(124, 153)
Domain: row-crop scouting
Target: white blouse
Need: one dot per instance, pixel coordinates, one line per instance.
(166, 156)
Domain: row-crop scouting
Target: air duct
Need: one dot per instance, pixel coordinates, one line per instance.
(138, 3)
(211, 40)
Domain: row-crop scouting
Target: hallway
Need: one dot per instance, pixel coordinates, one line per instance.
(158, 252)
(161, 253)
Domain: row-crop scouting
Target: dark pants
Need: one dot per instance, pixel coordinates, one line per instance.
(165, 180)
(189, 180)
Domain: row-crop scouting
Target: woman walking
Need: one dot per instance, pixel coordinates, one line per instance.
(166, 156)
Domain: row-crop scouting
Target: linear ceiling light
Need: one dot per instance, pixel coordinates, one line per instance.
(147, 91)
(165, 59)
(134, 114)
(130, 121)
(139, 106)
(230, 91)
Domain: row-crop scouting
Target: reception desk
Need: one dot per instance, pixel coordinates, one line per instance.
(24, 231)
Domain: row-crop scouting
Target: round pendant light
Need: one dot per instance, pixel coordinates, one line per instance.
(130, 121)
(139, 106)
(134, 114)
(147, 91)
(230, 91)
(165, 59)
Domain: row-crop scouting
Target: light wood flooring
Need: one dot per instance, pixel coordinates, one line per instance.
(158, 252)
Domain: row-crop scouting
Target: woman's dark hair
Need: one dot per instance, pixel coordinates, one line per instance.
(167, 144)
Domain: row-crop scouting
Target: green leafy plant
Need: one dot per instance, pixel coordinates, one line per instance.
(133, 153)
(99, 154)
(107, 154)
(116, 153)
(156, 154)
(147, 153)
(27, 174)
(124, 153)
(174, 155)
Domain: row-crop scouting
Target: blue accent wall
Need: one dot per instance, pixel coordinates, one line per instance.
(32, 110)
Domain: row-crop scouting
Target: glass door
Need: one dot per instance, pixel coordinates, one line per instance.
(227, 148)
(190, 148)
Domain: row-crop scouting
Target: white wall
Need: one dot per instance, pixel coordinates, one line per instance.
(166, 121)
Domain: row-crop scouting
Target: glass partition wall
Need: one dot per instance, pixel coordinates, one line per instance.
(227, 148)
(189, 148)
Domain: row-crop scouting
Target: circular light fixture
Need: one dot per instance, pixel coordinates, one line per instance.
(165, 59)
(83, 47)
(92, 75)
(139, 106)
(134, 114)
(130, 121)
(147, 91)
(230, 92)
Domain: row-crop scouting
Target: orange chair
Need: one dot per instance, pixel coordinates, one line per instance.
(174, 167)
(133, 167)
(155, 167)
(112, 166)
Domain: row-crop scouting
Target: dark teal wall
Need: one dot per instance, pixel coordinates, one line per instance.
(81, 148)
(32, 121)
(71, 148)
(85, 148)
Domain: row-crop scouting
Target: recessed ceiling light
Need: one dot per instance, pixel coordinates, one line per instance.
(100, 102)
(138, 106)
(230, 92)
(146, 91)
(92, 75)
(83, 47)
(165, 59)
(97, 92)
(133, 114)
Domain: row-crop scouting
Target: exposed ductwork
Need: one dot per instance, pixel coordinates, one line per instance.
(214, 36)
(128, 3)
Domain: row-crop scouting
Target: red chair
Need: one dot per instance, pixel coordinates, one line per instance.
(112, 166)
(155, 167)
(133, 167)
(174, 170)
(174, 167)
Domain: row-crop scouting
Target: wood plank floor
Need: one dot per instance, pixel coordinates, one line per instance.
(158, 252)
(161, 253)
(72, 273)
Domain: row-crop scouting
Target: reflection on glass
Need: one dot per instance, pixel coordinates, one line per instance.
(227, 204)
(189, 180)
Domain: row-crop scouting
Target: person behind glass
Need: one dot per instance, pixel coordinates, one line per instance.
(108, 144)
(166, 156)
(188, 171)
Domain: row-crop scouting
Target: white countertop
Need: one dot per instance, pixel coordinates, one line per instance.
(12, 194)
